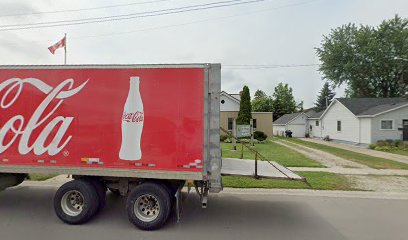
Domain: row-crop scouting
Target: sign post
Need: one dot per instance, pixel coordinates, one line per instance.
(234, 135)
(252, 132)
(243, 131)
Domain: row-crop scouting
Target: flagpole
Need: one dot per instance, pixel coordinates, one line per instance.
(65, 50)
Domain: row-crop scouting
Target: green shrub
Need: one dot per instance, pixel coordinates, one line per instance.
(382, 143)
(372, 146)
(391, 144)
(228, 140)
(399, 143)
(384, 148)
(223, 137)
(260, 136)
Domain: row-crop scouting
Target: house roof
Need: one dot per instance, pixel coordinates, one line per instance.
(236, 95)
(285, 119)
(316, 114)
(230, 96)
(371, 106)
(311, 113)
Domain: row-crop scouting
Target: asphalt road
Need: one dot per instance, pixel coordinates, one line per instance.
(27, 213)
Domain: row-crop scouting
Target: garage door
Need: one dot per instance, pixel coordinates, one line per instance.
(297, 130)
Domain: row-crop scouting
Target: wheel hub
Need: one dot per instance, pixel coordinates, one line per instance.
(147, 208)
(72, 203)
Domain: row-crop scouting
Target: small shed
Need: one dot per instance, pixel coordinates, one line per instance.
(295, 122)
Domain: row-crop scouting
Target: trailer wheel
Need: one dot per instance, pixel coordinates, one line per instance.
(149, 205)
(100, 190)
(76, 202)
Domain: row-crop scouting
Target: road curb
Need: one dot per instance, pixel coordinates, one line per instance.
(316, 193)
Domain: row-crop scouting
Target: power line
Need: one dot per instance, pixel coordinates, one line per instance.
(176, 25)
(194, 22)
(126, 16)
(122, 15)
(82, 9)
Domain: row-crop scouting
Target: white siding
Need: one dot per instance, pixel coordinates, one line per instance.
(298, 130)
(229, 105)
(365, 130)
(316, 130)
(395, 134)
(349, 124)
(298, 126)
(279, 130)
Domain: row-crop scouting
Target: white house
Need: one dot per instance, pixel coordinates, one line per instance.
(295, 122)
(313, 123)
(354, 120)
(365, 120)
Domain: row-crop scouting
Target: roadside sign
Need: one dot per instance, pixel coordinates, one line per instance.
(243, 131)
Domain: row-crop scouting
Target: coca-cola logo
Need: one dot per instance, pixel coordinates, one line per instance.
(18, 126)
(132, 117)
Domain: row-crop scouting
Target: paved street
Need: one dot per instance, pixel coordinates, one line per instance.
(27, 213)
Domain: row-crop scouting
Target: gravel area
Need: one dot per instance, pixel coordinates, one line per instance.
(374, 153)
(380, 183)
(327, 159)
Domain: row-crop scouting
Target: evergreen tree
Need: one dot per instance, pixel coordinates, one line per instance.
(326, 94)
(245, 109)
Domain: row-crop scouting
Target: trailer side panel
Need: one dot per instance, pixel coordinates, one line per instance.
(70, 119)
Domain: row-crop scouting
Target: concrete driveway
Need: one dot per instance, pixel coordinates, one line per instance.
(27, 213)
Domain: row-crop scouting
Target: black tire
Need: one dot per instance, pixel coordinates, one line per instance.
(90, 202)
(100, 190)
(161, 197)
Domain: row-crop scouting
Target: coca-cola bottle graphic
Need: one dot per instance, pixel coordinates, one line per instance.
(132, 123)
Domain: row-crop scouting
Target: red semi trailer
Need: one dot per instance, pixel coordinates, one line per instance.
(138, 130)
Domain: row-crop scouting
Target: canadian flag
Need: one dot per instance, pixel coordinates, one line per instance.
(59, 44)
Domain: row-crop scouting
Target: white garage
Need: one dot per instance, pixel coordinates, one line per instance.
(295, 122)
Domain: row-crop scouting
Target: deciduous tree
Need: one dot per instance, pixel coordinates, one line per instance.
(371, 61)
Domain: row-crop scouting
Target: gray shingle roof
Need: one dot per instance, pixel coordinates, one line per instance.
(316, 114)
(286, 118)
(371, 106)
(311, 113)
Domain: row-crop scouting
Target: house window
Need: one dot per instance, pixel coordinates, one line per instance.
(317, 123)
(338, 126)
(230, 121)
(387, 124)
(254, 123)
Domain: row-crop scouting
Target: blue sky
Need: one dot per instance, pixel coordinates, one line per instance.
(272, 32)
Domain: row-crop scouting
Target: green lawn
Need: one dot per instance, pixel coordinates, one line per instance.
(318, 180)
(272, 151)
(40, 177)
(399, 151)
(374, 162)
